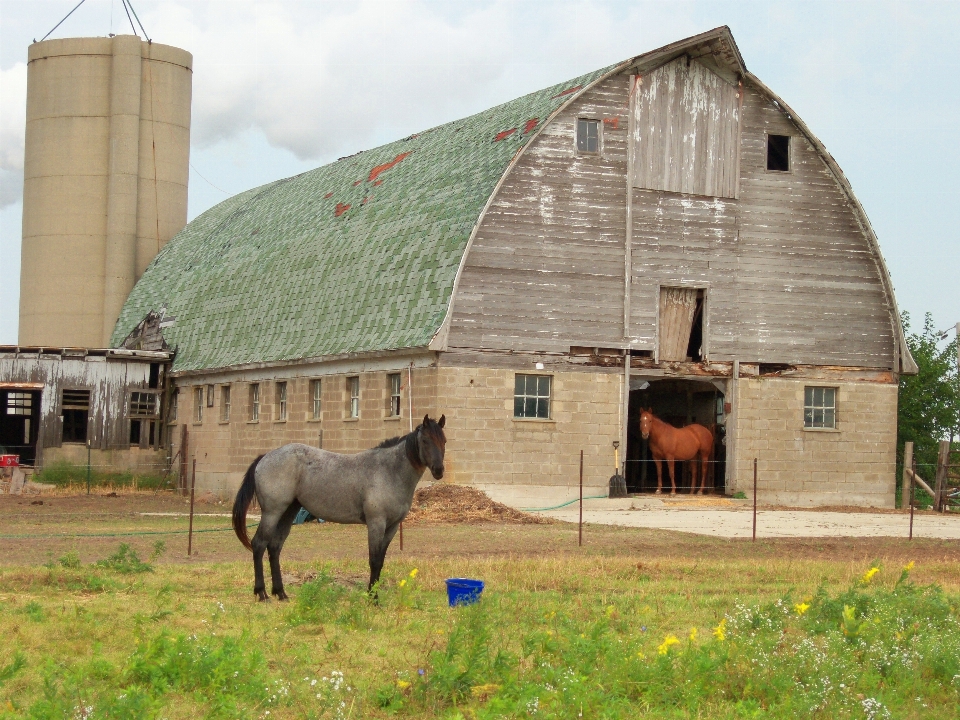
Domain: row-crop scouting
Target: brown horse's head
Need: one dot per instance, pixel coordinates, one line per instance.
(432, 443)
(646, 420)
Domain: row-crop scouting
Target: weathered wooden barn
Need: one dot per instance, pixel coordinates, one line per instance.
(74, 404)
(663, 232)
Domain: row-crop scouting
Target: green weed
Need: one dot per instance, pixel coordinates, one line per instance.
(125, 561)
(64, 474)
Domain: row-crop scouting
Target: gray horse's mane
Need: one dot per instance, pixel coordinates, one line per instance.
(393, 442)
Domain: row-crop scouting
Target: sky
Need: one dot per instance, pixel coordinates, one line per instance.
(283, 87)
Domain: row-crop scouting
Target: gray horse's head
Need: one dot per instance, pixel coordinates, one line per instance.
(431, 444)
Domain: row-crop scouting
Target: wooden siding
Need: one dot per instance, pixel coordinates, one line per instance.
(788, 273)
(109, 381)
(686, 131)
(547, 263)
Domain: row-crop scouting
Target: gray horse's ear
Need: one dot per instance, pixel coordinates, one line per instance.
(442, 421)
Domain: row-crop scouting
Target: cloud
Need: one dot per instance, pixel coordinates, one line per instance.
(13, 103)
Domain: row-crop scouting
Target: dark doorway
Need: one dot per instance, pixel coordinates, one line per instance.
(679, 403)
(20, 424)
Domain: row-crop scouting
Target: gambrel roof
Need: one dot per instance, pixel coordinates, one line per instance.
(363, 255)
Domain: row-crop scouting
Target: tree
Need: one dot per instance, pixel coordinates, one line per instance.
(929, 402)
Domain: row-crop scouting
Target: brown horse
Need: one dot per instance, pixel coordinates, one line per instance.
(670, 444)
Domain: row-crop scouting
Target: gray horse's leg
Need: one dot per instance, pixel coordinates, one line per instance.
(275, 545)
(379, 537)
(259, 546)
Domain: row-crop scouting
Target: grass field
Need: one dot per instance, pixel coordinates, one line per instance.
(637, 621)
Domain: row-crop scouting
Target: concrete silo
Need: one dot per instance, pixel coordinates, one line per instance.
(106, 164)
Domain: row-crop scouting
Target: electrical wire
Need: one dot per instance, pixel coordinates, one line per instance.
(132, 27)
(128, 2)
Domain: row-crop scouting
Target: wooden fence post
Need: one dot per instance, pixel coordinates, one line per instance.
(943, 459)
(907, 465)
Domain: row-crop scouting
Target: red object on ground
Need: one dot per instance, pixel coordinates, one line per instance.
(9, 461)
(506, 133)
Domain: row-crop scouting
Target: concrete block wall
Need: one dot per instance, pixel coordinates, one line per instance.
(526, 462)
(224, 449)
(855, 464)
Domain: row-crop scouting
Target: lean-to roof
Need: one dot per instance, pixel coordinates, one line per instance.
(357, 256)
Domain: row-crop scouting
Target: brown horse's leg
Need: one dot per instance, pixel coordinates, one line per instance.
(656, 462)
(693, 474)
(703, 472)
(673, 483)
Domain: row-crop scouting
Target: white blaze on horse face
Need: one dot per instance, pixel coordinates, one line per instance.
(645, 426)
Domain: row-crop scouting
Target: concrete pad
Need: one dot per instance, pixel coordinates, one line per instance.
(733, 522)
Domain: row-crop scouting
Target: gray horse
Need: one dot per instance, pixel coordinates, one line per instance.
(373, 488)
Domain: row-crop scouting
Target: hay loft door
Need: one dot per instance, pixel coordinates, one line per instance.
(681, 325)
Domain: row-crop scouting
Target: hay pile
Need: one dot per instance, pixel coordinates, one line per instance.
(448, 503)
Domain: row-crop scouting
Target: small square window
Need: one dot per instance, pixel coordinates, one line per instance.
(353, 390)
(75, 409)
(255, 402)
(281, 401)
(393, 384)
(588, 135)
(531, 396)
(820, 407)
(225, 403)
(143, 404)
(778, 152)
(315, 396)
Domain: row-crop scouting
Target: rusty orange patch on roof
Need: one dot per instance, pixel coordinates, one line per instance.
(531, 124)
(506, 133)
(328, 196)
(568, 91)
(341, 209)
(386, 166)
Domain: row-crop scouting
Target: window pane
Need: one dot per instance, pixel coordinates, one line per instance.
(543, 386)
(518, 384)
(829, 418)
(518, 406)
(808, 396)
(581, 134)
(543, 407)
(808, 417)
(830, 397)
(530, 407)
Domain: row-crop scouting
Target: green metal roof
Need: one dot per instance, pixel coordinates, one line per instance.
(356, 256)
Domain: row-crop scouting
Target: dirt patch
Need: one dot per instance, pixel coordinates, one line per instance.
(460, 504)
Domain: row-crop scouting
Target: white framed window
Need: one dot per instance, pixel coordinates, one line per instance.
(315, 399)
(209, 396)
(531, 396)
(281, 401)
(224, 403)
(19, 403)
(588, 136)
(353, 392)
(198, 404)
(174, 404)
(393, 385)
(820, 407)
(254, 402)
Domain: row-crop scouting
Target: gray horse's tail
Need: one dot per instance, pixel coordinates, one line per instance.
(244, 497)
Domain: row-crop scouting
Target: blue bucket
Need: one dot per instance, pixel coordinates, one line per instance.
(463, 591)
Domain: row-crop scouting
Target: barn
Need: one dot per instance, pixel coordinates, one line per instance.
(662, 233)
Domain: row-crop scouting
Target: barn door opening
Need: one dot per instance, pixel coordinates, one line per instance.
(681, 325)
(679, 403)
(20, 424)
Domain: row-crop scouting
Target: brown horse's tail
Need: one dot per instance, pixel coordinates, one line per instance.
(245, 495)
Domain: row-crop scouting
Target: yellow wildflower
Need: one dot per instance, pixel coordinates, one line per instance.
(641, 656)
(693, 634)
(413, 573)
(402, 582)
(909, 566)
(403, 684)
(801, 608)
(720, 631)
(610, 610)
(868, 575)
(664, 647)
